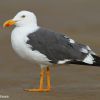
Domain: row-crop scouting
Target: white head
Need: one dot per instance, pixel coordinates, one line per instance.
(22, 18)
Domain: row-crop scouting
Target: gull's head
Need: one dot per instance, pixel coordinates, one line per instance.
(22, 18)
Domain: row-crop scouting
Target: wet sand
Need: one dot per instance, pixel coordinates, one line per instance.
(80, 19)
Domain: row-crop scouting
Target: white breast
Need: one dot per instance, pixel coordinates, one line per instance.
(19, 39)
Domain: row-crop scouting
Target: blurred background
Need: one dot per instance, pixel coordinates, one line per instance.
(79, 19)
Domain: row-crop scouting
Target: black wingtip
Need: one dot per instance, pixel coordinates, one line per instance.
(96, 62)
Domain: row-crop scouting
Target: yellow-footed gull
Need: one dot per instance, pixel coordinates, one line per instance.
(46, 47)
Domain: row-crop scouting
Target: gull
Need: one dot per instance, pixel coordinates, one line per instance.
(46, 47)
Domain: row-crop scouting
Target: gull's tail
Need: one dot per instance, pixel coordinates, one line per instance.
(96, 61)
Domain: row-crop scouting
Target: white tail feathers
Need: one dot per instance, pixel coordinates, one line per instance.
(89, 59)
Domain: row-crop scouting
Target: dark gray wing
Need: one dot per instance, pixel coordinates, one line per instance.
(55, 46)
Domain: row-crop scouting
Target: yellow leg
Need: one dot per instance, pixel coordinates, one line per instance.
(48, 79)
(41, 78)
(41, 89)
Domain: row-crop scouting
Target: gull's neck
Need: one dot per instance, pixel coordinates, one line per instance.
(26, 29)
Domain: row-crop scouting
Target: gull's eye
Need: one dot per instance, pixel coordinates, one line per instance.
(23, 16)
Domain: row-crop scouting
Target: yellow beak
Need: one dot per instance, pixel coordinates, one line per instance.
(9, 23)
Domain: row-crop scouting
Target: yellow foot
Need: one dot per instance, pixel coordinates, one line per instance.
(37, 90)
